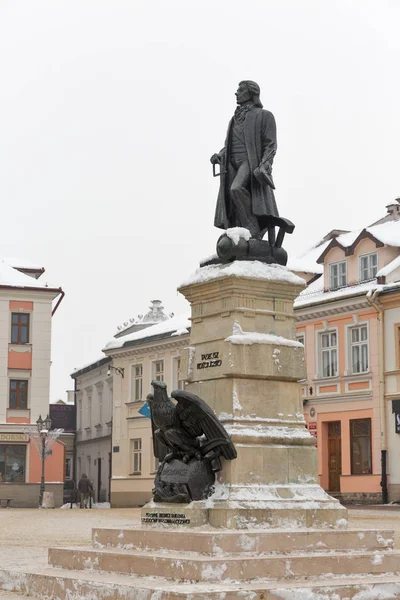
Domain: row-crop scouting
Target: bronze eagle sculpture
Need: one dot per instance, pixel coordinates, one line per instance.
(187, 429)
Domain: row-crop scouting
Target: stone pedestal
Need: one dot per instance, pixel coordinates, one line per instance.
(244, 361)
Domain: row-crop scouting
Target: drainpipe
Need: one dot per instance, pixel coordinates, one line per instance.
(382, 403)
(75, 434)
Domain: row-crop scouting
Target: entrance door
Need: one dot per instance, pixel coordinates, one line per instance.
(98, 479)
(334, 455)
(109, 475)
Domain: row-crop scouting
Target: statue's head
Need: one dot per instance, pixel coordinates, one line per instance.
(248, 90)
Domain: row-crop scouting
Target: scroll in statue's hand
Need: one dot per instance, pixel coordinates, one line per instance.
(215, 159)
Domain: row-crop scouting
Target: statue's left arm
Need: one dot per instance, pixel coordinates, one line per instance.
(269, 146)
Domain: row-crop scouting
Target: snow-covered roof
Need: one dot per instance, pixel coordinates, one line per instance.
(243, 268)
(177, 325)
(10, 276)
(389, 268)
(307, 262)
(388, 233)
(154, 315)
(315, 294)
(18, 263)
(94, 364)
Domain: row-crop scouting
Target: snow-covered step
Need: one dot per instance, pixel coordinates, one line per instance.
(179, 566)
(59, 584)
(218, 542)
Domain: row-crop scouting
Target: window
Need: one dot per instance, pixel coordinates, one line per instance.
(89, 465)
(137, 455)
(337, 275)
(368, 266)
(12, 463)
(89, 412)
(328, 354)
(18, 394)
(300, 337)
(100, 403)
(80, 414)
(360, 441)
(137, 383)
(158, 370)
(19, 328)
(177, 381)
(359, 349)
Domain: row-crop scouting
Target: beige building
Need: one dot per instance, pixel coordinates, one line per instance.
(139, 357)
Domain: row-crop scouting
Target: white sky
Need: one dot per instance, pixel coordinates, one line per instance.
(110, 110)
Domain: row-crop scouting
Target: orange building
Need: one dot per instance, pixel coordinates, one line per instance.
(26, 309)
(352, 279)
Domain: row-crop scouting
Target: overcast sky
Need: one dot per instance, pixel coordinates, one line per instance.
(110, 110)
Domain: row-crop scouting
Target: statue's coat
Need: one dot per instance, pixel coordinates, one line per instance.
(260, 138)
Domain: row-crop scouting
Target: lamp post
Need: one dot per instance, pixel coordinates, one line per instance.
(43, 427)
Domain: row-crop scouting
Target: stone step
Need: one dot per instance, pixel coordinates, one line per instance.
(216, 542)
(179, 566)
(59, 584)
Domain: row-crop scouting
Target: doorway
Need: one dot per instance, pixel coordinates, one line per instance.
(98, 479)
(334, 455)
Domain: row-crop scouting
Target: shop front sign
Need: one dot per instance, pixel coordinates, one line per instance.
(14, 437)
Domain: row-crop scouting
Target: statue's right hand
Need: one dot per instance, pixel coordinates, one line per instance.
(215, 159)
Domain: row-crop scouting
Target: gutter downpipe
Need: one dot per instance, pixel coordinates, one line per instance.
(382, 404)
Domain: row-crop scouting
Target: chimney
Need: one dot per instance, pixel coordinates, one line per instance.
(394, 210)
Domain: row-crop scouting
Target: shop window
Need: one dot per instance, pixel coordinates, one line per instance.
(368, 266)
(328, 354)
(359, 349)
(360, 442)
(137, 456)
(137, 383)
(12, 463)
(19, 328)
(337, 275)
(18, 394)
(158, 370)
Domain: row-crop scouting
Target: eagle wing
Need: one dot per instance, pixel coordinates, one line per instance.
(197, 419)
(160, 450)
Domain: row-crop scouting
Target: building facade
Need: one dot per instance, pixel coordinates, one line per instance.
(26, 308)
(138, 358)
(94, 397)
(113, 439)
(350, 343)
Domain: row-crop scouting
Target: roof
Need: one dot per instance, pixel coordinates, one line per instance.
(311, 260)
(99, 362)
(315, 294)
(307, 262)
(177, 325)
(12, 277)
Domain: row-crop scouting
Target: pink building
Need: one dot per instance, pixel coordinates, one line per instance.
(26, 307)
(351, 276)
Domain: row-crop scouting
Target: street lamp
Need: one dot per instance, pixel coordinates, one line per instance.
(43, 427)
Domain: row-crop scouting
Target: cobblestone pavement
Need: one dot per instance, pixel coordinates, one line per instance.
(27, 533)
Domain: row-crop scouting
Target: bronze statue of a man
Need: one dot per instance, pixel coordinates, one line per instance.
(246, 197)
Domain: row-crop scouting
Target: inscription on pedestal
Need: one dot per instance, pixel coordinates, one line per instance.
(164, 517)
(209, 360)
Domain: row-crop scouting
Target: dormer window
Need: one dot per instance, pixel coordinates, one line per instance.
(368, 266)
(337, 275)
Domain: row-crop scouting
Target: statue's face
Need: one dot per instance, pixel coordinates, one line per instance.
(243, 95)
